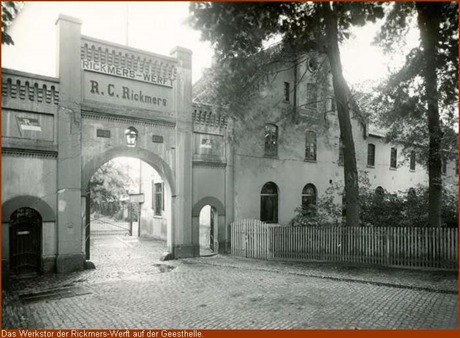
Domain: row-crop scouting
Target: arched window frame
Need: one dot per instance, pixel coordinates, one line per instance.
(269, 195)
(411, 193)
(309, 196)
(380, 192)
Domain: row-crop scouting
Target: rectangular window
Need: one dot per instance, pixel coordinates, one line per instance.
(333, 104)
(271, 140)
(310, 146)
(393, 158)
(340, 152)
(412, 160)
(444, 166)
(371, 155)
(153, 195)
(312, 95)
(159, 205)
(286, 91)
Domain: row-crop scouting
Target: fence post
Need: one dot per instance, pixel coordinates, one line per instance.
(387, 246)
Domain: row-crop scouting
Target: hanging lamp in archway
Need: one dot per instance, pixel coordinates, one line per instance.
(131, 135)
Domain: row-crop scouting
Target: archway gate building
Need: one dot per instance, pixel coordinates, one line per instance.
(107, 101)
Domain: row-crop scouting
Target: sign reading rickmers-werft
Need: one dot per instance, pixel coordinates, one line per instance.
(103, 68)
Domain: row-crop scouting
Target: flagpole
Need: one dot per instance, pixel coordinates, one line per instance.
(127, 24)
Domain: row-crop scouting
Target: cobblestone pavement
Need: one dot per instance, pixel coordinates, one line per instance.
(131, 288)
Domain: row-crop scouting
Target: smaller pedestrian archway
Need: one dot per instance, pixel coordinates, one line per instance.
(208, 218)
(208, 232)
(26, 221)
(25, 240)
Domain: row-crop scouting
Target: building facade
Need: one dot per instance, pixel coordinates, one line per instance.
(286, 148)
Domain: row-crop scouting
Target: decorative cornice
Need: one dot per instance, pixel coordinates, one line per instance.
(35, 90)
(128, 58)
(131, 120)
(203, 115)
(16, 152)
(209, 164)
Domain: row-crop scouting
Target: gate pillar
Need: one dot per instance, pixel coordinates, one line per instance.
(180, 242)
(70, 256)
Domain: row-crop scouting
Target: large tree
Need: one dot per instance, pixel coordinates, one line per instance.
(9, 11)
(238, 32)
(108, 187)
(420, 100)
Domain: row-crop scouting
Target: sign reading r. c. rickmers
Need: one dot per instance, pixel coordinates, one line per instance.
(126, 73)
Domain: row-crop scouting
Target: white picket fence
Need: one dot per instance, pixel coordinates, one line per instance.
(392, 246)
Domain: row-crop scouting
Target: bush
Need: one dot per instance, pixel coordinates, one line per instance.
(404, 209)
(325, 212)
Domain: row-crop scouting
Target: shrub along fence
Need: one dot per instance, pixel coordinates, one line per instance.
(392, 246)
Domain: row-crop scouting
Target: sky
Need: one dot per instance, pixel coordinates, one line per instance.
(153, 26)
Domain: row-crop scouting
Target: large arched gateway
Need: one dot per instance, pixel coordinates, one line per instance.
(107, 101)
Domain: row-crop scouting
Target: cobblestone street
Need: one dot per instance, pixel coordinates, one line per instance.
(131, 288)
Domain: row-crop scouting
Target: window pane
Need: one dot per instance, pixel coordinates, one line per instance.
(286, 91)
(269, 203)
(153, 195)
(412, 160)
(310, 146)
(308, 196)
(340, 151)
(393, 160)
(312, 95)
(158, 198)
(271, 140)
(371, 155)
(270, 188)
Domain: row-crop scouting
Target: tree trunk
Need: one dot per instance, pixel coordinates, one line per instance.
(343, 111)
(428, 22)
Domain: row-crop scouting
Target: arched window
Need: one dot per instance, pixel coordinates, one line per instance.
(412, 160)
(371, 155)
(379, 191)
(271, 140)
(310, 146)
(269, 203)
(411, 193)
(308, 196)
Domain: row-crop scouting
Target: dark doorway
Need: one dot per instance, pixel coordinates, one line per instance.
(25, 242)
(269, 203)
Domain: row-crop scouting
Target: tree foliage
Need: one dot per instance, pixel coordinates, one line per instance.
(402, 98)
(418, 103)
(239, 31)
(9, 11)
(108, 187)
